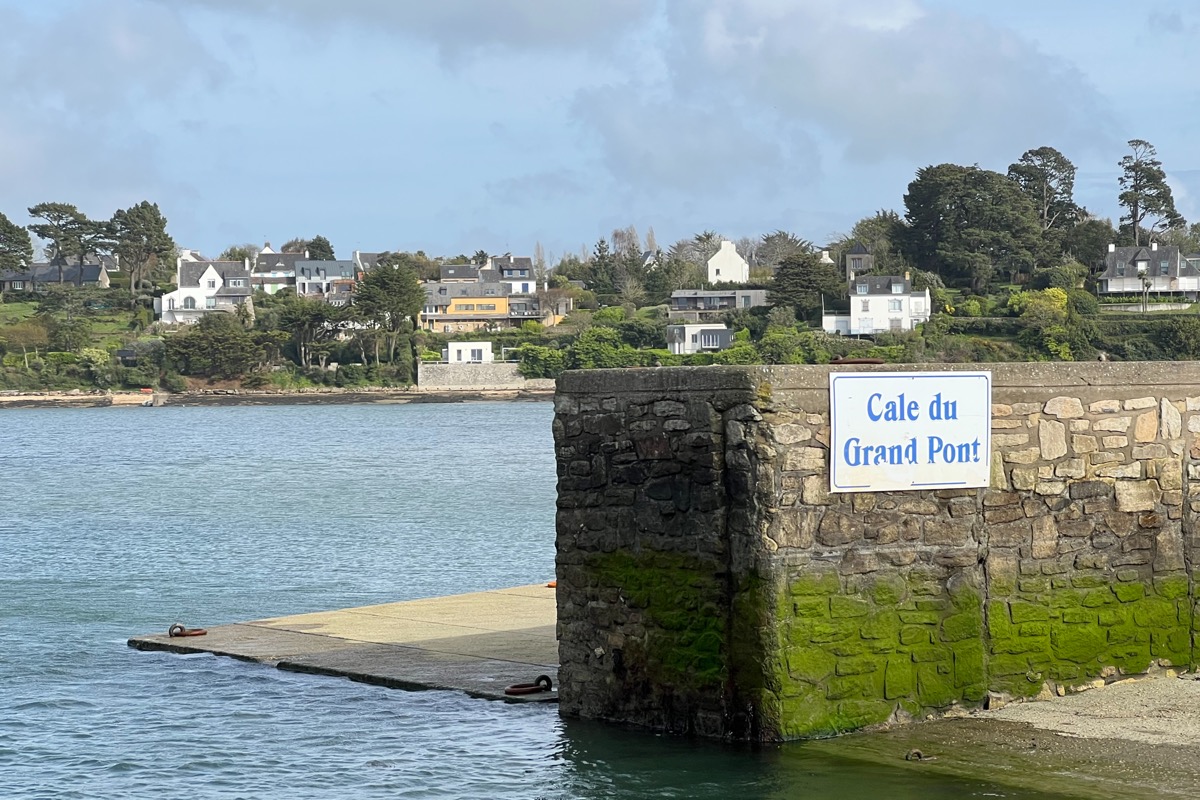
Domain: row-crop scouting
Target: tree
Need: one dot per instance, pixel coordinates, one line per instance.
(1145, 193)
(238, 252)
(141, 242)
(1047, 178)
(310, 322)
(296, 245)
(217, 347)
(28, 334)
(802, 280)
(69, 232)
(319, 249)
(390, 298)
(1087, 242)
(964, 223)
(781, 245)
(16, 248)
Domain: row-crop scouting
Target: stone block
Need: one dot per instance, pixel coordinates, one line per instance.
(1078, 425)
(1115, 442)
(1071, 468)
(1132, 470)
(1027, 456)
(1083, 444)
(1139, 403)
(1115, 424)
(1137, 495)
(952, 534)
(1012, 534)
(1001, 410)
(1170, 475)
(1045, 537)
(1149, 451)
(1193, 423)
(1105, 407)
(1009, 439)
(1064, 407)
(1050, 488)
(1004, 514)
(1024, 409)
(804, 459)
(791, 433)
(1024, 478)
(1146, 427)
(1006, 424)
(815, 491)
(1172, 421)
(1052, 439)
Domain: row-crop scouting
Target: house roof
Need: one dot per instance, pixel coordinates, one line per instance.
(277, 262)
(882, 284)
(1177, 265)
(48, 272)
(453, 290)
(366, 261)
(511, 262)
(324, 270)
(458, 272)
(190, 272)
(858, 249)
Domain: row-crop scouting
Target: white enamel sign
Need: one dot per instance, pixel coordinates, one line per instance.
(896, 431)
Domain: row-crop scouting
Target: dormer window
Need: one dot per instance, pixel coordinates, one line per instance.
(861, 288)
(212, 284)
(897, 288)
(1163, 267)
(1120, 269)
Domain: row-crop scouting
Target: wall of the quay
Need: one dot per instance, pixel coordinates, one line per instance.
(709, 582)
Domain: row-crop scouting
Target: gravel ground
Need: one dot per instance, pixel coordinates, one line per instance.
(1151, 710)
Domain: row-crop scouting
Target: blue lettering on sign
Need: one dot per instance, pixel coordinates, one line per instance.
(857, 454)
(897, 410)
(950, 453)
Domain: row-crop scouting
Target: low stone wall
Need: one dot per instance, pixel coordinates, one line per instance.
(495, 375)
(709, 582)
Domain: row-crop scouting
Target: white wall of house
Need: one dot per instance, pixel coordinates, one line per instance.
(188, 303)
(465, 352)
(683, 340)
(876, 313)
(726, 266)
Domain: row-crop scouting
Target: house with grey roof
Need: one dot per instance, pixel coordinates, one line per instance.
(364, 261)
(696, 305)
(332, 281)
(880, 303)
(203, 287)
(858, 260)
(1152, 268)
(39, 277)
(275, 271)
(458, 273)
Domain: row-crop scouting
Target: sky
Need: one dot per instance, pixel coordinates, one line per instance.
(461, 125)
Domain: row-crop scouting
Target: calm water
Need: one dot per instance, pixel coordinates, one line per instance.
(115, 522)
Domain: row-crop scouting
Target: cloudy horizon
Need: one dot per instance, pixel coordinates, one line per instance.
(467, 125)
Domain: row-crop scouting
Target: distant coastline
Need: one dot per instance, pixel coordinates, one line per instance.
(249, 397)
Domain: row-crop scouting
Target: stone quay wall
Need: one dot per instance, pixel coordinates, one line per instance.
(487, 376)
(709, 583)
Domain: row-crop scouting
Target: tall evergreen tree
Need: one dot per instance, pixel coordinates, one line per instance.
(1145, 193)
(802, 280)
(1047, 178)
(142, 242)
(16, 248)
(319, 249)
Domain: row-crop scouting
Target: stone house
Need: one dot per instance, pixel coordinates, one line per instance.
(39, 277)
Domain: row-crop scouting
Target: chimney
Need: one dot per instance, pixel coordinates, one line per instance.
(1153, 246)
(907, 276)
(1112, 248)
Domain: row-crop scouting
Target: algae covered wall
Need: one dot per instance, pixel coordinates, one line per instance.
(709, 582)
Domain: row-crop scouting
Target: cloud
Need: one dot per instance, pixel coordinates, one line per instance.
(459, 28)
(74, 88)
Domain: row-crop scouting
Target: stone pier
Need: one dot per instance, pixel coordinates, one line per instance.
(709, 583)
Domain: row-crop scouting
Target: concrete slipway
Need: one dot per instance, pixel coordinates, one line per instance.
(476, 643)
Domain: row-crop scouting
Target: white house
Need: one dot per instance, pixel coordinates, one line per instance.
(700, 337)
(880, 303)
(1152, 269)
(726, 266)
(202, 287)
(468, 352)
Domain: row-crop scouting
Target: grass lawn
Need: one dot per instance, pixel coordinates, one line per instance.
(15, 312)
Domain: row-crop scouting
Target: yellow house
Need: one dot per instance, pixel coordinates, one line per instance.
(464, 307)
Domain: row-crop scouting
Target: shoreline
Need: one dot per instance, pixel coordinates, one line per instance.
(259, 397)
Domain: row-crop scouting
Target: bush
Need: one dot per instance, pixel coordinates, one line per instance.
(350, 375)
(174, 382)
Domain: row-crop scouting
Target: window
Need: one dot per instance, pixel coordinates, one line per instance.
(445, 329)
(236, 282)
(210, 302)
(866, 325)
(524, 273)
(695, 338)
(861, 288)
(856, 264)
(18, 285)
(866, 305)
(465, 307)
(895, 324)
(487, 306)
(918, 306)
(1142, 266)
(212, 284)
(458, 353)
(718, 272)
(897, 288)
(189, 303)
(1162, 267)
(524, 287)
(745, 301)
(710, 339)
(895, 305)
(1120, 269)
(171, 303)
(476, 354)
(442, 290)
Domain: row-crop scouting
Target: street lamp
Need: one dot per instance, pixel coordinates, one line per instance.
(1141, 270)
